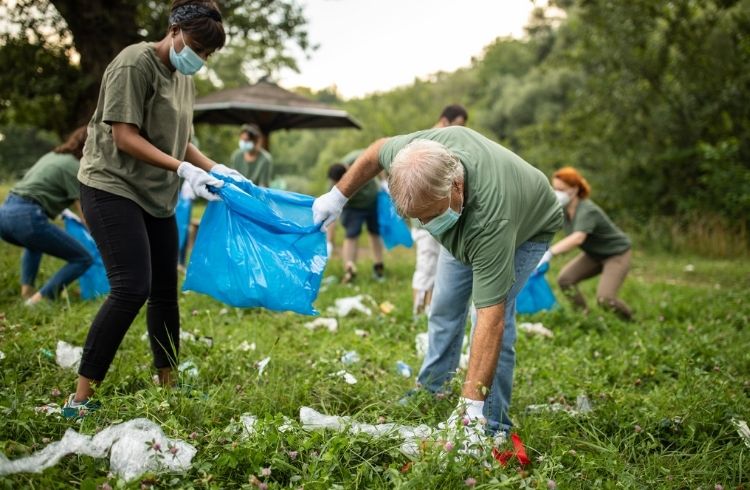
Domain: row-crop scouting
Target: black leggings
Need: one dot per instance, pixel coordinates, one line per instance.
(140, 255)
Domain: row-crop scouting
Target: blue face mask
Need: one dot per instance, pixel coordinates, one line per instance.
(247, 145)
(186, 61)
(443, 222)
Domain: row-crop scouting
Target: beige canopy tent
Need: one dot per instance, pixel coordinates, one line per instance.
(270, 107)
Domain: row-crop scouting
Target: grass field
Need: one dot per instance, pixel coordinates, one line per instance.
(663, 389)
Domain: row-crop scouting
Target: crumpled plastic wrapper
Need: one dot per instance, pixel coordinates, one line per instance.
(743, 430)
(536, 329)
(344, 306)
(583, 406)
(311, 419)
(134, 447)
(330, 323)
(68, 356)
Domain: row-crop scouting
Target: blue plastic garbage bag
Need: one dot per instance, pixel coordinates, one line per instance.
(536, 295)
(182, 215)
(93, 282)
(393, 228)
(258, 247)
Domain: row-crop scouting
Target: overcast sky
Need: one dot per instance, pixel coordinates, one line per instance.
(375, 45)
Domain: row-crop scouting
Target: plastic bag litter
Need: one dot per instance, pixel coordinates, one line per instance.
(361, 333)
(422, 340)
(403, 369)
(743, 430)
(258, 247)
(536, 294)
(536, 329)
(245, 347)
(393, 229)
(68, 356)
(2, 355)
(330, 323)
(188, 368)
(93, 282)
(261, 365)
(348, 377)
(349, 358)
(344, 306)
(311, 419)
(182, 213)
(134, 447)
(49, 409)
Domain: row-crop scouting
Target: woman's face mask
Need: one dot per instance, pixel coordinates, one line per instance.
(186, 61)
(562, 197)
(246, 145)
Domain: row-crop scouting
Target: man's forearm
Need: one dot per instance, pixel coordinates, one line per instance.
(485, 351)
(366, 167)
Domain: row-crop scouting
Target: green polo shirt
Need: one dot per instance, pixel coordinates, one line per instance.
(137, 88)
(51, 182)
(367, 197)
(603, 238)
(260, 170)
(507, 202)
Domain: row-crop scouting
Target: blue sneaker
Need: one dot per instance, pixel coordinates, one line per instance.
(77, 410)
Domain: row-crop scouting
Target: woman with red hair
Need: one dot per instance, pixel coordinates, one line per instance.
(605, 248)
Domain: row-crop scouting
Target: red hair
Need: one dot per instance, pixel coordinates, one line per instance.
(573, 178)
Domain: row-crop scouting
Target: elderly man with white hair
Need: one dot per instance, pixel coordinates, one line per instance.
(495, 216)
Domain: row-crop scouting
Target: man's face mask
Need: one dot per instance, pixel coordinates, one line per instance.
(443, 222)
(186, 61)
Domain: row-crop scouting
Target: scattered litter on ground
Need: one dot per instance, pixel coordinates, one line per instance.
(348, 377)
(261, 365)
(690, 268)
(742, 430)
(248, 425)
(344, 306)
(311, 419)
(188, 368)
(68, 356)
(2, 355)
(536, 329)
(422, 340)
(330, 323)
(349, 358)
(223, 311)
(403, 369)
(361, 333)
(49, 409)
(244, 346)
(134, 447)
(582, 406)
(386, 307)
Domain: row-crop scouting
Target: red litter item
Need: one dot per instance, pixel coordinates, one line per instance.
(518, 451)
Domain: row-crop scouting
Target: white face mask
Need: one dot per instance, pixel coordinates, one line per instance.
(562, 197)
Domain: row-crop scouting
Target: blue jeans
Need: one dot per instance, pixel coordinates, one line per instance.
(23, 222)
(447, 325)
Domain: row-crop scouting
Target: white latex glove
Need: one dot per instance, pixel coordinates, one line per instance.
(384, 186)
(187, 191)
(329, 248)
(67, 213)
(328, 207)
(466, 426)
(545, 258)
(222, 169)
(199, 180)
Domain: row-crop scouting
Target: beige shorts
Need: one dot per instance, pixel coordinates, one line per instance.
(427, 255)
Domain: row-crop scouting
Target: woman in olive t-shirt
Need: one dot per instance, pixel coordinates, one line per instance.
(48, 188)
(138, 146)
(605, 248)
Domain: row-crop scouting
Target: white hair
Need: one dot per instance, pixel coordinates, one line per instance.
(421, 173)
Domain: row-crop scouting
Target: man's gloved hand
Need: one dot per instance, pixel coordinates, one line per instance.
(67, 213)
(328, 207)
(545, 258)
(199, 180)
(466, 426)
(187, 191)
(222, 169)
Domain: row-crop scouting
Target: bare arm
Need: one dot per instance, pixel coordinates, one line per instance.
(363, 170)
(485, 351)
(568, 243)
(127, 138)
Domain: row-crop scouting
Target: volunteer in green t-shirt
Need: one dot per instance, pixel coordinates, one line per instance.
(250, 159)
(360, 209)
(47, 189)
(137, 148)
(495, 215)
(605, 248)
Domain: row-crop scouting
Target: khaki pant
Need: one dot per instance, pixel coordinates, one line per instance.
(613, 270)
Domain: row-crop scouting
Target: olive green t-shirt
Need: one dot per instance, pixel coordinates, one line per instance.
(259, 171)
(603, 237)
(507, 202)
(137, 88)
(51, 182)
(367, 196)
